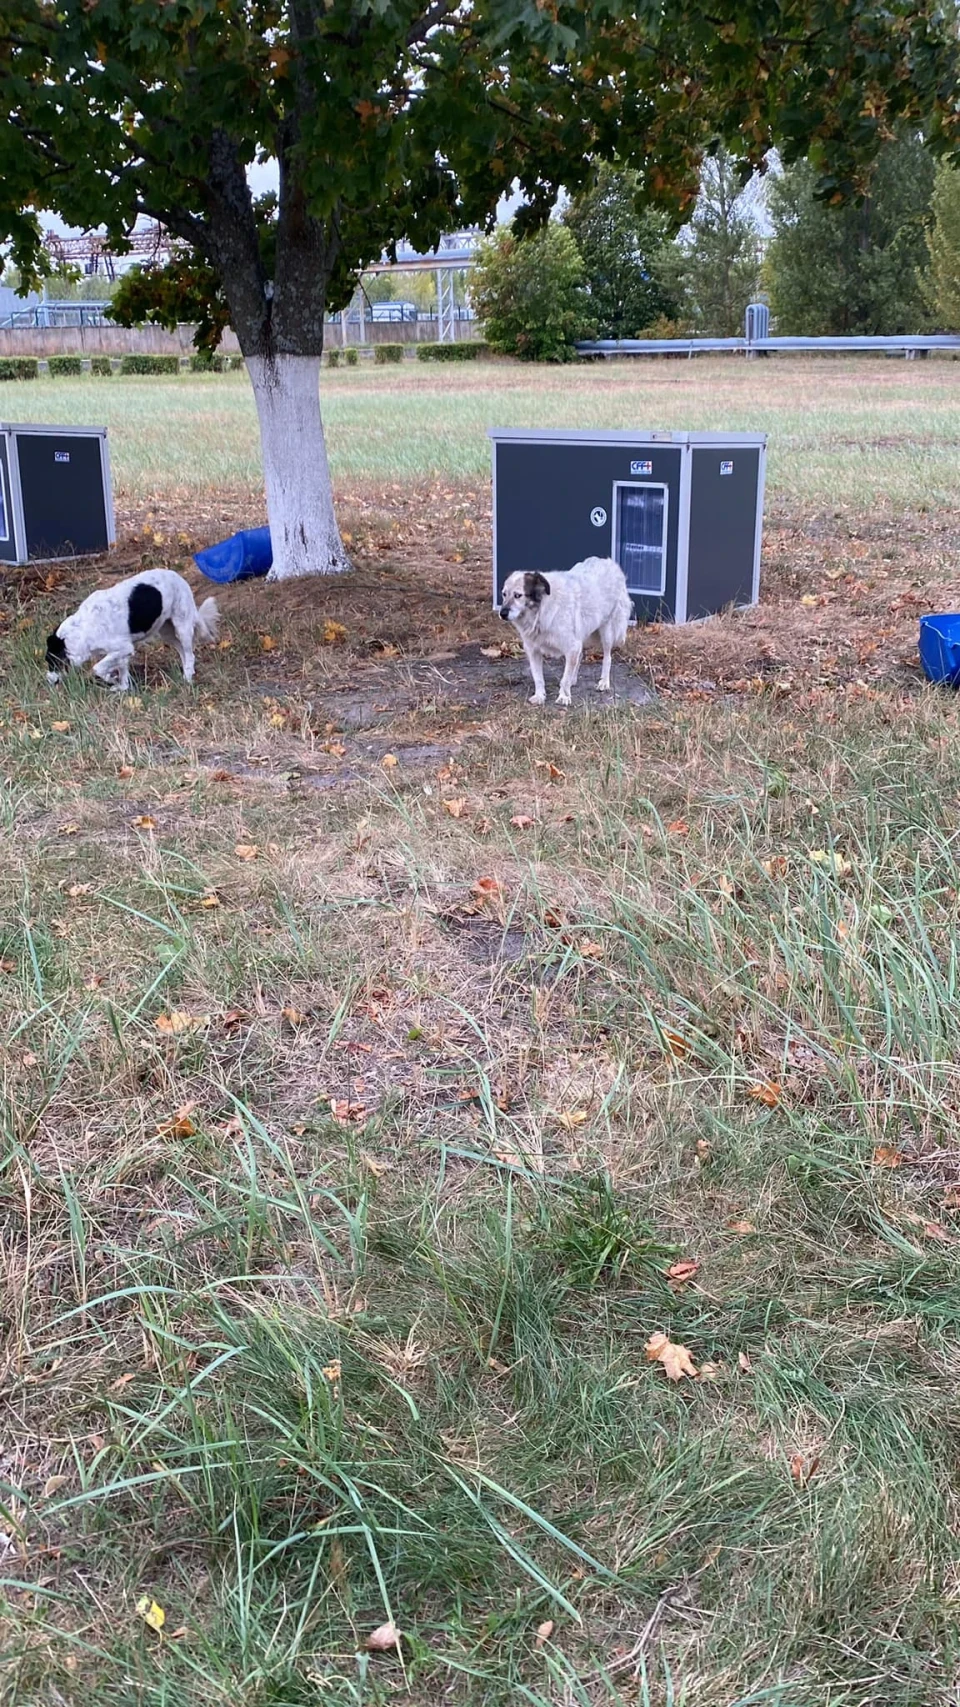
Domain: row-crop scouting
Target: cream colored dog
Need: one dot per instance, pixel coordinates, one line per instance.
(556, 614)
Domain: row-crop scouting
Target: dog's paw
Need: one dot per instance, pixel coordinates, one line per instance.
(537, 699)
(603, 687)
(564, 699)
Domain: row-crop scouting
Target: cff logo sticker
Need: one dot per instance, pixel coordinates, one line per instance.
(61, 456)
(643, 467)
(598, 516)
(726, 468)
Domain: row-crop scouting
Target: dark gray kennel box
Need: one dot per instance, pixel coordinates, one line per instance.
(55, 494)
(682, 513)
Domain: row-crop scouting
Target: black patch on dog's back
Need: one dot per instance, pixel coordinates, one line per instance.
(536, 586)
(145, 605)
(56, 652)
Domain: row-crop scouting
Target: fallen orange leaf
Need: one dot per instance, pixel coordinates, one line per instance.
(522, 821)
(247, 850)
(145, 822)
(676, 1045)
(682, 1271)
(676, 1359)
(544, 1632)
(740, 1227)
(679, 827)
(173, 1024)
(389, 761)
(454, 807)
(267, 643)
(886, 1156)
(487, 887)
(768, 1093)
(802, 1469)
(181, 1125)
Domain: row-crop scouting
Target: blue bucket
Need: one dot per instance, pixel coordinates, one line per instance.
(940, 649)
(237, 559)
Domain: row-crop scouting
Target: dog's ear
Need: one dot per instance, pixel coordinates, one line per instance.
(56, 651)
(536, 586)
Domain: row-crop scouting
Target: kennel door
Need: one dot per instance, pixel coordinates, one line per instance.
(640, 535)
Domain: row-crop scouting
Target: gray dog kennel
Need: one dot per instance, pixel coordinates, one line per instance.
(682, 513)
(55, 494)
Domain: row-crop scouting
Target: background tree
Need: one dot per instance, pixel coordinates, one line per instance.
(393, 119)
(853, 268)
(619, 239)
(941, 281)
(530, 294)
(713, 269)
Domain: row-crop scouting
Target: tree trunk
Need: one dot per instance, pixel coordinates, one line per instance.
(303, 526)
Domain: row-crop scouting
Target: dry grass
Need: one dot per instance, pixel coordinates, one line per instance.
(327, 1303)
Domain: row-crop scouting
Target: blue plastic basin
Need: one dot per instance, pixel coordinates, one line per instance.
(940, 649)
(238, 558)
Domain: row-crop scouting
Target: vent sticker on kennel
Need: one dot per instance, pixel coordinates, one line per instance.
(598, 516)
(726, 468)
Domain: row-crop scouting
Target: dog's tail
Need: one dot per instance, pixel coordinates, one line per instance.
(208, 620)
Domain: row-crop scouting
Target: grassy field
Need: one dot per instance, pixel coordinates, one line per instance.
(880, 431)
(389, 1065)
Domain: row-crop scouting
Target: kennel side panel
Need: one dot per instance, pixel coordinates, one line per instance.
(724, 491)
(65, 506)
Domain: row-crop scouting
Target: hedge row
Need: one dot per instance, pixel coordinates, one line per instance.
(19, 367)
(71, 365)
(149, 364)
(467, 352)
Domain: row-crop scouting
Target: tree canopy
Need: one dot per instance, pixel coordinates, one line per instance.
(619, 239)
(713, 271)
(396, 119)
(855, 268)
(941, 280)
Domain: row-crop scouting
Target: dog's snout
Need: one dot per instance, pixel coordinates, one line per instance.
(504, 612)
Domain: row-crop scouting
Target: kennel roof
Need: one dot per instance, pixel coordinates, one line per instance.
(620, 436)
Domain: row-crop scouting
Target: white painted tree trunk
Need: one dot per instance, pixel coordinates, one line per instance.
(303, 526)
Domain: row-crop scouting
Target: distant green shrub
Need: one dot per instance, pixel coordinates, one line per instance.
(466, 352)
(384, 354)
(19, 367)
(149, 364)
(101, 365)
(333, 358)
(204, 361)
(61, 366)
(351, 356)
(236, 363)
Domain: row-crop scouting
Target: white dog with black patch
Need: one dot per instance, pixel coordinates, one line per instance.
(556, 614)
(157, 605)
